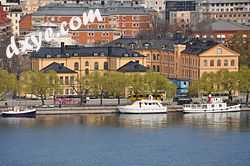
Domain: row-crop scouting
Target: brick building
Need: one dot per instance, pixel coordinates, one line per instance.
(117, 21)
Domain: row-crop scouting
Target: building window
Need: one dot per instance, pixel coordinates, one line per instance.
(66, 91)
(211, 62)
(232, 63)
(86, 71)
(106, 66)
(96, 66)
(218, 62)
(158, 69)
(219, 51)
(226, 62)
(61, 80)
(72, 80)
(154, 57)
(66, 80)
(205, 62)
(153, 67)
(76, 66)
(86, 63)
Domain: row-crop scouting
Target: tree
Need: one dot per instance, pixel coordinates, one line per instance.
(244, 77)
(157, 83)
(38, 83)
(81, 86)
(137, 85)
(221, 81)
(8, 82)
(98, 84)
(117, 83)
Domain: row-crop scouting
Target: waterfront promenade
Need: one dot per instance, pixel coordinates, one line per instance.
(91, 107)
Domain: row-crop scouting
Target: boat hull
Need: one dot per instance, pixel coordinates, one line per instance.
(235, 108)
(128, 110)
(27, 113)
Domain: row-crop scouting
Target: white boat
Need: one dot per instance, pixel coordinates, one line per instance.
(17, 112)
(215, 106)
(143, 107)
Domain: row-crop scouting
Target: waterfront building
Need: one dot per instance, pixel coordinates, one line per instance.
(117, 21)
(79, 61)
(183, 62)
(220, 30)
(231, 10)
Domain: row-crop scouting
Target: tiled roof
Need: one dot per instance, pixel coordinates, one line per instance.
(220, 25)
(70, 51)
(137, 44)
(132, 67)
(225, 1)
(196, 47)
(77, 10)
(58, 68)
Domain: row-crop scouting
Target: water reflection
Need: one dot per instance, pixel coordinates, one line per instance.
(225, 121)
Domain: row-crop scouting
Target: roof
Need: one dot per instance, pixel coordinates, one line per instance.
(132, 67)
(225, 1)
(137, 44)
(80, 51)
(58, 68)
(78, 9)
(220, 25)
(196, 47)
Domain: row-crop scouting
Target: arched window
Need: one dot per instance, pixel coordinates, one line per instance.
(76, 66)
(86, 63)
(106, 66)
(96, 66)
(86, 72)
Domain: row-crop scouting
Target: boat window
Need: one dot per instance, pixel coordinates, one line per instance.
(204, 106)
(149, 103)
(146, 103)
(220, 105)
(212, 105)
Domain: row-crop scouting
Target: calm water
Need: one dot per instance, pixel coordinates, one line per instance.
(127, 140)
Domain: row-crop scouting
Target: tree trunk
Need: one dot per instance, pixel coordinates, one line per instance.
(81, 98)
(42, 99)
(119, 101)
(230, 96)
(101, 97)
(247, 98)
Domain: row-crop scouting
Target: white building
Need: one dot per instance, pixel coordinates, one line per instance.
(233, 10)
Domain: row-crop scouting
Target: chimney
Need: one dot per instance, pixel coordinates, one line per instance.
(62, 47)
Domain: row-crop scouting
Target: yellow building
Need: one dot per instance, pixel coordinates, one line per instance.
(71, 62)
(186, 61)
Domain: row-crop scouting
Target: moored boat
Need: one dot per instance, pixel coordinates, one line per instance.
(143, 107)
(215, 105)
(17, 112)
